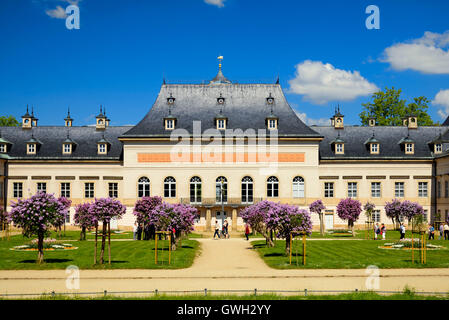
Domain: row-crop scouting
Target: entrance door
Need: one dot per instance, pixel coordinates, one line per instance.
(329, 221)
(221, 216)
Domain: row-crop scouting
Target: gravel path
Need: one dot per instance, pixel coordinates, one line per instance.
(223, 264)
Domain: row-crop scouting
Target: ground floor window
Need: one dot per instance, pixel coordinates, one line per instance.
(272, 187)
(376, 216)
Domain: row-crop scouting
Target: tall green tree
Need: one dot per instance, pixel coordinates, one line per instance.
(8, 121)
(388, 108)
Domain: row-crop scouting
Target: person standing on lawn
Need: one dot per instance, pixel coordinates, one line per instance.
(446, 231)
(431, 232)
(402, 229)
(135, 231)
(383, 231)
(441, 232)
(376, 231)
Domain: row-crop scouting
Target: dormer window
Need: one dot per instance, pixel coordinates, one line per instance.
(438, 148)
(409, 148)
(221, 124)
(169, 124)
(3, 148)
(374, 148)
(31, 148)
(102, 148)
(66, 148)
(272, 124)
(339, 148)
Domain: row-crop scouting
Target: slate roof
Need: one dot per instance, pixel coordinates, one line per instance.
(389, 138)
(245, 107)
(52, 137)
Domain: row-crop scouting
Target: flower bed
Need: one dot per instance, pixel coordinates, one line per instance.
(113, 232)
(49, 245)
(339, 232)
(406, 244)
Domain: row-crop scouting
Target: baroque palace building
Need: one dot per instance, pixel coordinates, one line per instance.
(223, 146)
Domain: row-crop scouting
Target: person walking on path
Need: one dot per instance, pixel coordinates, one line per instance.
(383, 231)
(402, 229)
(225, 229)
(135, 231)
(446, 231)
(247, 231)
(376, 231)
(431, 232)
(217, 229)
(441, 232)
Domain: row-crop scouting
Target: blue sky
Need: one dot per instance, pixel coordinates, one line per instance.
(321, 50)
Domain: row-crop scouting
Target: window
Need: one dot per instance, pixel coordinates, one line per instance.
(328, 189)
(2, 148)
(17, 190)
(438, 148)
(31, 148)
(65, 189)
(376, 216)
(195, 190)
(67, 218)
(42, 187)
(247, 190)
(352, 189)
(422, 189)
(409, 148)
(339, 148)
(375, 189)
(113, 190)
(143, 188)
(89, 190)
(439, 189)
(374, 148)
(425, 215)
(1, 189)
(446, 189)
(445, 215)
(399, 189)
(102, 148)
(169, 124)
(272, 187)
(221, 124)
(298, 187)
(67, 148)
(221, 190)
(272, 124)
(169, 187)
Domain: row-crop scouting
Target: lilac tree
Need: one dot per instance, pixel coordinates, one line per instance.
(84, 218)
(318, 207)
(414, 212)
(286, 218)
(256, 215)
(349, 209)
(393, 211)
(36, 216)
(144, 207)
(369, 208)
(105, 209)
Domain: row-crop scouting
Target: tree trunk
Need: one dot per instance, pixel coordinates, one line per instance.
(109, 241)
(40, 246)
(266, 235)
(96, 237)
(321, 224)
(103, 242)
(351, 225)
(83, 234)
(287, 245)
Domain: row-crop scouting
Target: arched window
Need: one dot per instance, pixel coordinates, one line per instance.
(247, 190)
(221, 190)
(195, 190)
(143, 187)
(170, 187)
(272, 187)
(298, 187)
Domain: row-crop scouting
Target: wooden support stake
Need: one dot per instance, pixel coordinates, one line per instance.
(109, 241)
(304, 249)
(169, 247)
(96, 236)
(155, 248)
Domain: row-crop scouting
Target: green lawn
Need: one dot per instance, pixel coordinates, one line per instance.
(125, 255)
(328, 254)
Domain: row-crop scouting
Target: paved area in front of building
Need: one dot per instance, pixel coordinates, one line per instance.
(225, 264)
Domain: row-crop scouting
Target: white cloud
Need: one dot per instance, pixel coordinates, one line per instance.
(426, 54)
(321, 83)
(442, 99)
(218, 3)
(58, 13)
(309, 121)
